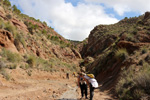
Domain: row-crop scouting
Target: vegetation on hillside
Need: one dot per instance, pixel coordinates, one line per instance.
(122, 51)
(38, 47)
(119, 52)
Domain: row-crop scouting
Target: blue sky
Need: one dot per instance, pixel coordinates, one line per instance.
(73, 2)
(107, 10)
(74, 19)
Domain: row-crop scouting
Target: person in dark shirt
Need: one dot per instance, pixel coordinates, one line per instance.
(83, 86)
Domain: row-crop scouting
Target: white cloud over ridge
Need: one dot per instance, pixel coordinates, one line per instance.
(123, 6)
(72, 22)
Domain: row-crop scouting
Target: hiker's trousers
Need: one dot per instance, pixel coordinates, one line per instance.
(83, 90)
(91, 92)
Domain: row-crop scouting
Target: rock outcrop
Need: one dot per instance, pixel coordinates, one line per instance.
(20, 25)
(105, 41)
(146, 16)
(7, 41)
(97, 42)
(27, 36)
(2, 13)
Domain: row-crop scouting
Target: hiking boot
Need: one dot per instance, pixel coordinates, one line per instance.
(86, 98)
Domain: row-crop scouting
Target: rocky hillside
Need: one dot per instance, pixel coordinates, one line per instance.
(118, 54)
(119, 57)
(27, 42)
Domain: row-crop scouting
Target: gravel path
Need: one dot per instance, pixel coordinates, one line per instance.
(70, 94)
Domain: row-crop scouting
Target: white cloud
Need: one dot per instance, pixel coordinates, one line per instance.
(122, 6)
(72, 22)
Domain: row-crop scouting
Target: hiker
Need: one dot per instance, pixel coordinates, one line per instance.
(67, 75)
(74, 74)
(83, 86)
(92, 82)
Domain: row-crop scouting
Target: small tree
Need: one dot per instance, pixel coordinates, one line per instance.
(15, 9)
(45, 23)
(7, 3)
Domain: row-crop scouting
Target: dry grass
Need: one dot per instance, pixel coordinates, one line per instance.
(121, 53)
(134, 85)
(12, 57)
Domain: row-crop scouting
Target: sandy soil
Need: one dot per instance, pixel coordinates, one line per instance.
(42, 85)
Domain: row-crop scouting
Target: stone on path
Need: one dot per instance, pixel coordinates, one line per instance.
(70, 94)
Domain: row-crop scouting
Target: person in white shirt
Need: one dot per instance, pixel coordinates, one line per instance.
(92, 82)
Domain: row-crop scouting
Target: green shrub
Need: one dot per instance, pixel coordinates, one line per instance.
(144, 50)
(56, 38)
(125, 84)
(135, 31)
(5, 74)
(7, 3)
(8, 16)
(44, 31)
(10, 28)
(19, 38)
(31, 61)
(48, 37)
(140, 22)
(141, 62)
(142, 81)
(30, 26)
(12, 57)
(45, 23)
(147, 59)
(51, 28)
(13, 66)
(130, 37)
(134, 85)
(36, 26)
(2, 65)
(126, 18)
(68, 45)
(121, 53)
(2, 24)
(45, 64)
(62, 42)
(26, 66)
(15, 9)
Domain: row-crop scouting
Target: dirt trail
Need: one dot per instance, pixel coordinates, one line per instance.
(42, 85)
(74, 94)
(71, 94)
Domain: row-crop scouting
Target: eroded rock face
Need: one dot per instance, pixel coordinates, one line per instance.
(131, 47)
(7, 41)
(2, 13)
(20, 25)
(65, 53)
(36, 43)
(105, 40)
(97, 42)
(77, 54)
